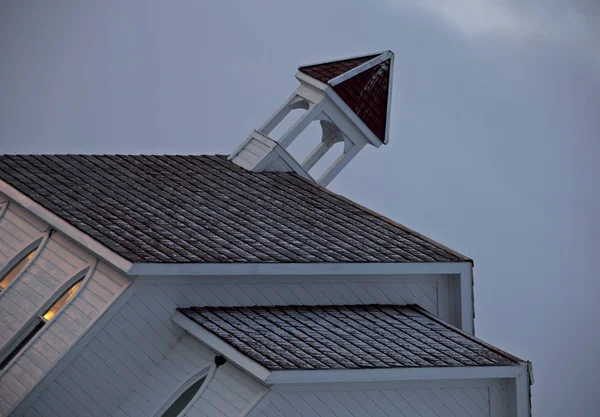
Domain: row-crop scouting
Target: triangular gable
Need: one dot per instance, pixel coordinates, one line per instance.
(363, 83)
(367, 95)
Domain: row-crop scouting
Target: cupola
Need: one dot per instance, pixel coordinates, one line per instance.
(349, 98)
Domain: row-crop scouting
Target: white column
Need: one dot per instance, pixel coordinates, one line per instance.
(339, 164)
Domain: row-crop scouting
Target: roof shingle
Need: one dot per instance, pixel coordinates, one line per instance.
(205, 209)
(345, 337)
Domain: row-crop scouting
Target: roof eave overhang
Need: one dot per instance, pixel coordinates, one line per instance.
(61, 225)
(395, 374)
(269, 377)
(329, 269)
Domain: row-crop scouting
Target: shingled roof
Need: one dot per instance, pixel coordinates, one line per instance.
(366, 92)
(345, 337)
(205, 209)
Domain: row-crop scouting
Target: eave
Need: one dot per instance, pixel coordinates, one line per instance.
(270, 377)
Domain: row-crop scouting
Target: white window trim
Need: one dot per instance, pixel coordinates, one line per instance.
(34, 247)
(207, 373)
(87, 271)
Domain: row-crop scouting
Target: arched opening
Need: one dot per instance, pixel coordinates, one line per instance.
(306, 142)
(336, 151)
(183, 400)
(46, 313)
(14, 268)
(288, 121)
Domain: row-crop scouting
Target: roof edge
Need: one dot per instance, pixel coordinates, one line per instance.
(394, 374)
(85, 240)
(462, 257)
(500, 352)
(148, 270)
(217, 344)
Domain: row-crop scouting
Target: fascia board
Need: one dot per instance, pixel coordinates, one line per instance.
(362, 67)
(342, 59)
(393, 374)
(328, 269)
(61, 225)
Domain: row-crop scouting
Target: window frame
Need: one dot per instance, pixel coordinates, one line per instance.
(34, 247)
(30, 331)
(206, 373)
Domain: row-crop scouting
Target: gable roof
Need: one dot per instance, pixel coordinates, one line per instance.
(363, 83)
(205, 209)
(345, 337)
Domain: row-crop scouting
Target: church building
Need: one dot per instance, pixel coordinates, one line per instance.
(238, 285)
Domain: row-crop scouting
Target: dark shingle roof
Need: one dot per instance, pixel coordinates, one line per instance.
(365, 93)
(166, 209)
(345, 337)
(329, 70)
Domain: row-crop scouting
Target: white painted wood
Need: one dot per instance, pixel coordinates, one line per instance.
(433, 398)
(382, 56)
(78, 236)
(250, 271)
(218, 345)
(298, 290)
(393, 374)
(230, 393)
(467, 301)
(30, 367)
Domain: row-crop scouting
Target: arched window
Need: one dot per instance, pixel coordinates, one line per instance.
(183, 399)
(35, 325)
(19, 263)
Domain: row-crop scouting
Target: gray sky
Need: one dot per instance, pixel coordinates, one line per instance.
(494, 138)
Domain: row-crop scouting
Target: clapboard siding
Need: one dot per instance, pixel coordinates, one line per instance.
(17, 230)
(229, 393)
(57, 262)
(423, 290)
(135, 362)
(185, 360)
(439, 399)
(63, 331)
(122, 367)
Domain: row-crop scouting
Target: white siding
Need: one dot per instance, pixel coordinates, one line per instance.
(425, 290)
(57, 262)
(17, 230)
(425, 399)
(119, 361)
(254, 150)
(229, 394)
(128, 367)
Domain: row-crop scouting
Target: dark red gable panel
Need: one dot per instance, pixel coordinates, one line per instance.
(330, 70)
(367, 95)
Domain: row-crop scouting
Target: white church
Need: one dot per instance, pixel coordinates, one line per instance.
(239, 285)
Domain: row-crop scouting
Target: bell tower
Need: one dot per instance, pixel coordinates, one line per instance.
(349, 98)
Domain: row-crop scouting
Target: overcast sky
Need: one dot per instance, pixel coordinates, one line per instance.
(494, 142)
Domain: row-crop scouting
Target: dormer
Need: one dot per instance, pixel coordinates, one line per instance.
(349, 98)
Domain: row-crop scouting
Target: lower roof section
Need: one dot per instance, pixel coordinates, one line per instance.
(345, 337)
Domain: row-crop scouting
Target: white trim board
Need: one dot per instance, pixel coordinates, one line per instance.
(220, 346)
(374, 54)
(61, 225)
(394, 374)
(250, 269)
